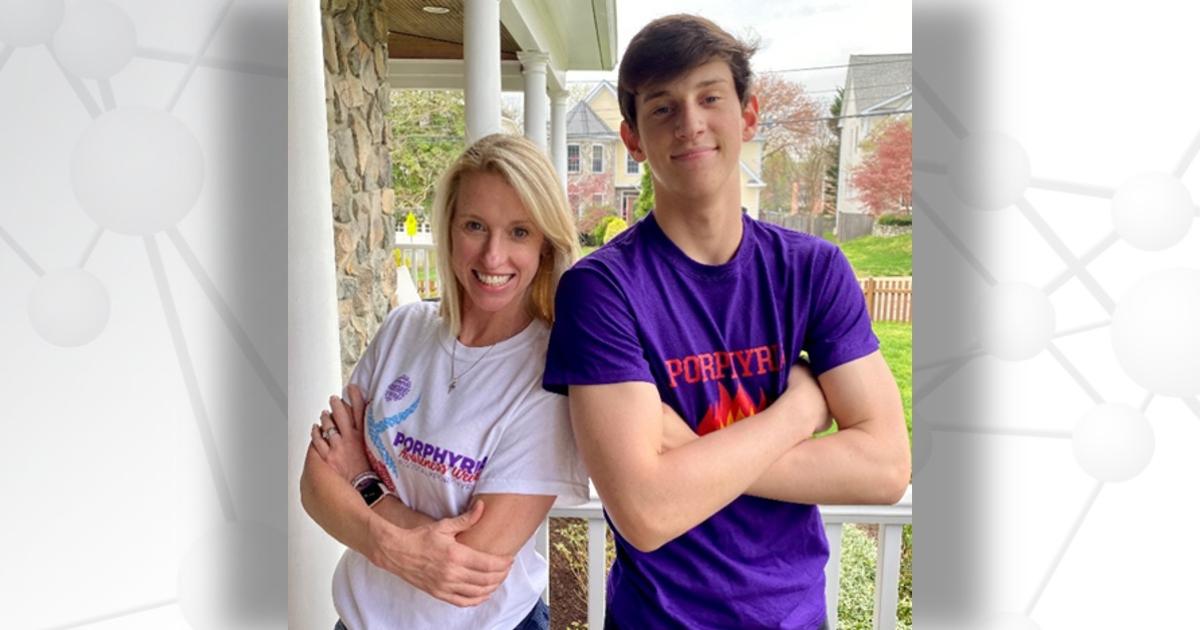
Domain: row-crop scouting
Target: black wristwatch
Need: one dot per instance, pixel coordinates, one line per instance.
(370, 488)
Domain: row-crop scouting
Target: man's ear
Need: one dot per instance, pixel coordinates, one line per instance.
(632, 142)
(750, 118)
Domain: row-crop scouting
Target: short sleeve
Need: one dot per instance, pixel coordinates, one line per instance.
(536, 454)
(363, 374)
(839, 329)
(595, 336)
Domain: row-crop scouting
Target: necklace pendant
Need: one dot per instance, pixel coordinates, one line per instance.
(453, 384)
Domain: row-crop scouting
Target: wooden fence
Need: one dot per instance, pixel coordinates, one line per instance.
(888, 299)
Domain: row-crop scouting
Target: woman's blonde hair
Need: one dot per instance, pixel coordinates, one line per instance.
(526, 168)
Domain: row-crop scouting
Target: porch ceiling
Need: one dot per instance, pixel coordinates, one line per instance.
(416, 34)
(577, 34)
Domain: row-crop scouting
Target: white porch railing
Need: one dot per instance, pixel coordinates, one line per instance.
(889, 518)
(421, 262)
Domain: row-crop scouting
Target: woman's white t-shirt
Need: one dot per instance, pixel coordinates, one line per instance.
(497, 432)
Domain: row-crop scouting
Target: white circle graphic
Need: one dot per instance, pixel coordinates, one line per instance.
(29, 22)
(1152, 211)
(1156, 332)
(137, 171)
(96, 39)
(68, 307)
(1016, 321)
(1113, 442)
(990, 171)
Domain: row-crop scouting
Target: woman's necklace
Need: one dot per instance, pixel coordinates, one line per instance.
(454, 378)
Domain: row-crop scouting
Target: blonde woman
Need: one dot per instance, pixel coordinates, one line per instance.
(437, 481)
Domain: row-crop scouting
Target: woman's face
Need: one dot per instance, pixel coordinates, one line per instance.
(495, 245)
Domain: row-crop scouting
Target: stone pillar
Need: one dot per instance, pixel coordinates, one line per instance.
(356, 96)
(481, 57)
(533, 68)
(558, 134)
(312, 323)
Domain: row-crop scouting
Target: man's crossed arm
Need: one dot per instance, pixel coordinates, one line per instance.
(655, 491)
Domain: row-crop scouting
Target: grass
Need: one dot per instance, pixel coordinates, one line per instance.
(895, 342)
(880, 255)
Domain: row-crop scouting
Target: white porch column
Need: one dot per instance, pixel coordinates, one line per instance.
(313, 353)
(533, 68)
(558, 134)
(481, 58)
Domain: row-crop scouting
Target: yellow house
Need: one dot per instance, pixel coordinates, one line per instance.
(600, 172)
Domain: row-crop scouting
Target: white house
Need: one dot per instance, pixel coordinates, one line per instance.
(877, 87)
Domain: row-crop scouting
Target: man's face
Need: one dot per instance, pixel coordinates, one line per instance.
(691, 130)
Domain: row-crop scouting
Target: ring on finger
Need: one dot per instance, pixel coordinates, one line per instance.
(329, 432)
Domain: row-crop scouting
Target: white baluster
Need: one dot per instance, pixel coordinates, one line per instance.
(887, 576)
(833, 532)
(597, 568)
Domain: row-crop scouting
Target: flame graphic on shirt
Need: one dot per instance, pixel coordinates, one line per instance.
(729, 409)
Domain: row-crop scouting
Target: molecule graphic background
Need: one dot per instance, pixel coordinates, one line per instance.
(142, 359)
(1056, 345)
(143, 229)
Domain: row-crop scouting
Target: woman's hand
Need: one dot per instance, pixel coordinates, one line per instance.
(431, 558)
(345, 450)
(676, 431)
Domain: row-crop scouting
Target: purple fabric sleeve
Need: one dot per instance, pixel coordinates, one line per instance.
(840, 330)
(595, 338)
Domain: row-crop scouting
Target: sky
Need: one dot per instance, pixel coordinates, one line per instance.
(792, 33)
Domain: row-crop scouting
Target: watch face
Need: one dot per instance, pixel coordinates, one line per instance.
(371, 492)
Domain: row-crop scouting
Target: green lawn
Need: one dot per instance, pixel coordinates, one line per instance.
(895, 341)
(880, 255)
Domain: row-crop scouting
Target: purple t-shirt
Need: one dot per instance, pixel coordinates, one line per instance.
(717, 342)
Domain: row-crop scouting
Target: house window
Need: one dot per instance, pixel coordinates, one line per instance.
(572, 158)
(598, 199)
(631, 165)
(597, 158)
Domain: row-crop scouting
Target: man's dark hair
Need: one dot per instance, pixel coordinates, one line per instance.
(670, 46)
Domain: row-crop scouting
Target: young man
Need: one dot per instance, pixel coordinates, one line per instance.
(701, 311)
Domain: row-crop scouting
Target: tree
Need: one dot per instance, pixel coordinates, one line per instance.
(884, 177)
(428, 128)
(787, 115)
(645, 200)
(788, 125)
(583, 188)
(834, 152)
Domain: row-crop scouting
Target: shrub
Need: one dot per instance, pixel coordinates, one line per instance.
(614, 227)
(856, 598)
(568, 562)
(601, 227)
(895, 219)
(592, 222)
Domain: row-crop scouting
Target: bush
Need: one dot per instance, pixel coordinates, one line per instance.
(591, 221)
(895, 219)
(598, 232)
(568, 570)
(856, 598)
(614, 227)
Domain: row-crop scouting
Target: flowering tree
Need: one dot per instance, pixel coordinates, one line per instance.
(884, 178)
(583, 188)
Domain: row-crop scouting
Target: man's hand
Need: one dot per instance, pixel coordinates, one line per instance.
(803, 397)
(431, 559)
(345, 450)
(807, 401)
